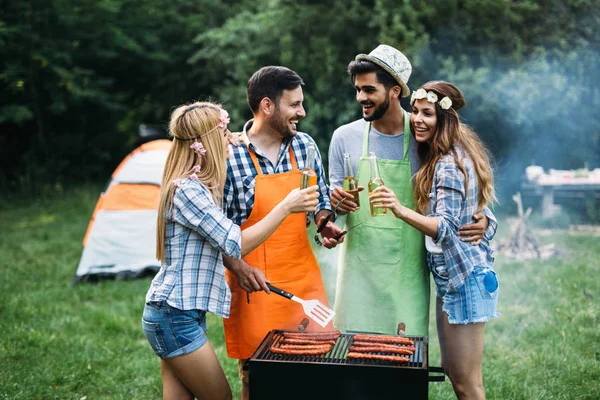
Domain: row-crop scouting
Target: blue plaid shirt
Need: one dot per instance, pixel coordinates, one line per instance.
(192, 277)
(241, 174)
(454, 208)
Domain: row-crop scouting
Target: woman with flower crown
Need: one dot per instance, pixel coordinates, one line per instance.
(454, 182)
(193, 234)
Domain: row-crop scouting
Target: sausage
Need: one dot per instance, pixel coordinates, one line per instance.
(382, 338)
(301, 352)
(302, 346)
(312, 335)
(304, 341)
(367, 356)
(383, 349)
(383, 345)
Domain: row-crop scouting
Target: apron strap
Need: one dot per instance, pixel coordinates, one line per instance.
(406, 134)
(365, 148)
(257, 165)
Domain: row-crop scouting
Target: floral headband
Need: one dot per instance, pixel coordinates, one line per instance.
(431, 97)
(223, 121)
(199, 148)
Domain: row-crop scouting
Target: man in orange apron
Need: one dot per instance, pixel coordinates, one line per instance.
(262, 170)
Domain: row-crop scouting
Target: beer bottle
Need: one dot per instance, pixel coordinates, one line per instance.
(350, 184)
(374, 183)
(309, 176)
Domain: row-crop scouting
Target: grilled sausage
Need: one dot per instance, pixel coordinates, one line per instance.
(383, 349)
(313, 335)
(382, 339)
(305, 341)
(301, 352)
(384, 345)
(366, 356)
(302, 346)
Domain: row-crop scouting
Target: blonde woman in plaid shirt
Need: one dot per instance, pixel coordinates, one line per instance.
(454, 182)
(193, 234)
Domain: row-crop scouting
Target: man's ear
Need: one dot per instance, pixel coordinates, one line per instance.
(267, 106)
(396, 91)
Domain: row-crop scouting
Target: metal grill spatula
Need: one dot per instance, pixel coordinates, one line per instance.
(316, 310)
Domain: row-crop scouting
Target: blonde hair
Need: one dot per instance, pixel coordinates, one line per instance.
(191, 123)
(449, 134)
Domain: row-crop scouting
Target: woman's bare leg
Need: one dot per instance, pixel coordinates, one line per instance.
(202, 374)
(439, 323)
(463, 358)
(173, 388)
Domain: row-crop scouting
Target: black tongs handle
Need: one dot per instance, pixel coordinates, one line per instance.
(329, 217)
(339, 235)
(325, 221)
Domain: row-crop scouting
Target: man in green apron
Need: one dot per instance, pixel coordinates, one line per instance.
(382, 276)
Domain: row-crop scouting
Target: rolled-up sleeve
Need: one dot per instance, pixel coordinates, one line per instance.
(490, 232)
(194, 209)
(450, 193)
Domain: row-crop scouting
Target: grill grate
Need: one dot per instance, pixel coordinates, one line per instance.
(337, 355)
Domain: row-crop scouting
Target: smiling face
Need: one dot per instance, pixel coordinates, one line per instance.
(372, 96)
(423, 118)
(288, 112)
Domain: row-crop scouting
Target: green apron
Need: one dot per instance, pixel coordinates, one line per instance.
(382, 270)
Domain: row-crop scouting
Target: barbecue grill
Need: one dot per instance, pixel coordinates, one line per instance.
(331, 376)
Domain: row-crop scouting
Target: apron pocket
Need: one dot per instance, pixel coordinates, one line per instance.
(378, 245)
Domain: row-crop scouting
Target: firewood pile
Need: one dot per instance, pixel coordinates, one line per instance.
(521, 244)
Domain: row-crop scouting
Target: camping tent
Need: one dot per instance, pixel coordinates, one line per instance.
(120, 241)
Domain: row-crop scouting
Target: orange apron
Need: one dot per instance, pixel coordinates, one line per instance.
(287, 260)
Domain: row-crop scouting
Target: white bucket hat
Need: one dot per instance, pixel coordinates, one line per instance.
(393, 62)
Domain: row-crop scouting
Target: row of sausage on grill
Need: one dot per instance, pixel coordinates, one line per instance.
(363, 346)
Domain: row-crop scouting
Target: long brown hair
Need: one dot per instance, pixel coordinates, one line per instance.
(191, 123)
(449, 134)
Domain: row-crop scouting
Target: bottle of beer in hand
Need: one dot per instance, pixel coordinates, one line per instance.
(374, 183)
(350, 184)
(309, 176)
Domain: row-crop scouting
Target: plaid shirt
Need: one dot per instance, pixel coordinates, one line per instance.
(450, 205)
(197, 234)
(241, 174)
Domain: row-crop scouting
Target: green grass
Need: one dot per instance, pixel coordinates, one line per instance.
(61, 341)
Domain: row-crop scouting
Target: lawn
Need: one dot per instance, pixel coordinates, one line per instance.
(61, 341)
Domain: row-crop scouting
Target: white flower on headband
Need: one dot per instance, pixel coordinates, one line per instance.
(446, 103)
(418, 95)
(432, 97)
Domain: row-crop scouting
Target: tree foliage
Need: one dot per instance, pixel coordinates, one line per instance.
(79, 77)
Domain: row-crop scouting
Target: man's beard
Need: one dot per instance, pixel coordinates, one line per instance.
(379, 111)
(280, 126)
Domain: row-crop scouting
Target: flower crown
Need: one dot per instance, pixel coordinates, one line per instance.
(431, 97)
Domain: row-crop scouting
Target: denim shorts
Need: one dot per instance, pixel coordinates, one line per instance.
(173, 332)
(474, 302)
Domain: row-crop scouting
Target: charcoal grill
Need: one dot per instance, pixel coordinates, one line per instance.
(331, 376)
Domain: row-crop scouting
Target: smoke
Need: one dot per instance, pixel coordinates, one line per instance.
(541, 111)
(328, 262)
